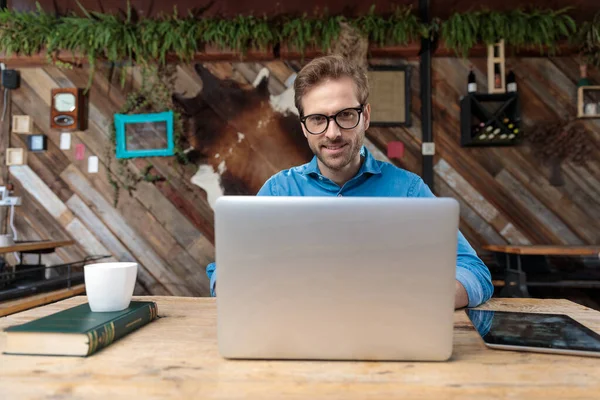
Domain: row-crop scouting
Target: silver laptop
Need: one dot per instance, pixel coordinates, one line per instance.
(336, 278)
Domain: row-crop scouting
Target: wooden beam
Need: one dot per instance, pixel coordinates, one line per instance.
(408, 51)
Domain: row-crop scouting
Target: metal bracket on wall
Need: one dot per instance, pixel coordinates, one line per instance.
(426, 95)
(428, 149)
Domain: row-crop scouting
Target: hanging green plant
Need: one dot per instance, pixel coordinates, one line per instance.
(588, 39)
(126, 37)
(153, 95)
(539, 28)
(399, 28)
(169, 34)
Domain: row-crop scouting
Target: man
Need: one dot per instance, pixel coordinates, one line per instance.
(331, 97)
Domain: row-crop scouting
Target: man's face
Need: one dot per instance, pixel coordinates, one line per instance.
(336, 148)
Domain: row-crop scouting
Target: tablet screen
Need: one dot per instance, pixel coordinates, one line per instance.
(550, 331)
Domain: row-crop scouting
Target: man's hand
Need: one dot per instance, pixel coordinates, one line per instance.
(461, 299)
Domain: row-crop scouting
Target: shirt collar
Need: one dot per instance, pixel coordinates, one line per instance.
(369, 165)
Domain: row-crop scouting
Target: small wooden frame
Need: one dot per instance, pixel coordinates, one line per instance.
(581, 93)
(495, 58)
(15, 156)
(22, 124)
(390, 95)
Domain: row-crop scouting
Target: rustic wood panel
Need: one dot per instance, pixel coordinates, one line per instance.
(240, 137)
(150, 260)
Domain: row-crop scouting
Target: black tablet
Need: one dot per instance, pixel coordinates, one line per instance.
(545, 333)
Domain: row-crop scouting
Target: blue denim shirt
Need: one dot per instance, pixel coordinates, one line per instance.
(380, 179)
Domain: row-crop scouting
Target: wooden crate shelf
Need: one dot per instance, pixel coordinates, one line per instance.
(490, 119)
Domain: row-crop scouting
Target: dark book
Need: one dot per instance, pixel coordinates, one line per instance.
(77, 331)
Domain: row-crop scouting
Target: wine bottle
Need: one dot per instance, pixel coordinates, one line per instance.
(511, 83)
(497, 79)
(583, 80)
(472, 83)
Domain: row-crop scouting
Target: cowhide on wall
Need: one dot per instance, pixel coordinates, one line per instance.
(240, 137)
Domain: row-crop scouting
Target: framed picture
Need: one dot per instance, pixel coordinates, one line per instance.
(37, 142)
(389, 95)
(144, 135)
(22, 124)
(15, 156)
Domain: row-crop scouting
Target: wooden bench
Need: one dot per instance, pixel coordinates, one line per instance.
(515, 280)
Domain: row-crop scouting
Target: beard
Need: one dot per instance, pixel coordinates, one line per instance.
(340, 159)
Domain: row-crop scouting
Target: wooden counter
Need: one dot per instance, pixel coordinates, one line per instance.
(177, 357)
(33, 247)
(545, 250)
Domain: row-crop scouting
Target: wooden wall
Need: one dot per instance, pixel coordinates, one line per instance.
(580, 9)
(240, 133)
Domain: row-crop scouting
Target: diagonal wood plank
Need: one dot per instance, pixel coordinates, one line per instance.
(478, 203)
(57, 209)
(96, 141)
(112, 243)
(138, 246)
(562, 233)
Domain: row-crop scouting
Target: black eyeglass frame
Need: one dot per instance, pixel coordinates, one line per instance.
(360, 109)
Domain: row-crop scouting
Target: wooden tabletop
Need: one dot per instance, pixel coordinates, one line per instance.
(551, 250)
(177, 357)
(33, 246)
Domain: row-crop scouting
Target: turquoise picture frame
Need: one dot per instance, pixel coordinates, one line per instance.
(121, 122)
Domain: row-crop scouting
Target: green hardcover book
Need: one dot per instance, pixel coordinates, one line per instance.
(77, 331)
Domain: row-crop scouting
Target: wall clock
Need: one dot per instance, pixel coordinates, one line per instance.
(66, 109)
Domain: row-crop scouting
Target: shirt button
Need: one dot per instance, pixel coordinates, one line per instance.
(320, 178)
(339, 195)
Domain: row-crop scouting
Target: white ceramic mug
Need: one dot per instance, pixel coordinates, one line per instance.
(109, 286)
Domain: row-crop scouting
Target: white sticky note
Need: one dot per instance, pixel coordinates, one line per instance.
(65, 141)
(428, 149)
(93, 164)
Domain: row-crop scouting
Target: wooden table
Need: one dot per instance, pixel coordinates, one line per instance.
(36, 247)
(546, 250)
(515, 279)
(25, 303)
(177, 357)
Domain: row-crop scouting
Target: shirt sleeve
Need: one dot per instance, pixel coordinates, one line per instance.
(211, 272)
(471, 272)
(268, 189)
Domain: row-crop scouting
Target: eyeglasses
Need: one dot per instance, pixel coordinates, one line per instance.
(347, 118)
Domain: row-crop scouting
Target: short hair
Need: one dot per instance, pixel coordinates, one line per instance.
(329, 67)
